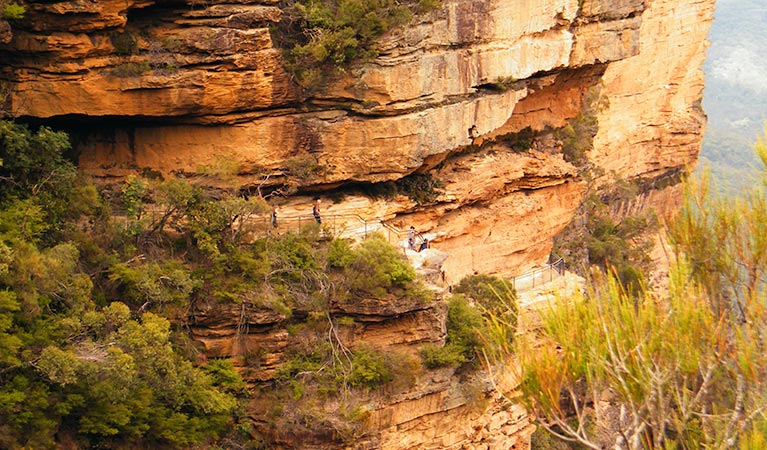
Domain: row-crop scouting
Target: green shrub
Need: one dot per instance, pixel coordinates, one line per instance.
(505, 83)
(131, 69)
(369, 369)
(302, 168)
(578, 135)
(598, 240)
(224, 375)
(13, 11)
(464, 322)
(125, 44)
(620, 247)
(303, 360)
(497, 300)
(489, 291)
(421, 188)
(434, 356)
(465, 326)
(340, 254)
(378, 268)
(321, 37)
(292, 255)
(520, 141)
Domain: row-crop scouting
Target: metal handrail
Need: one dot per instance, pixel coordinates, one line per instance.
(332, 220)
(539, 275)
(536, 277)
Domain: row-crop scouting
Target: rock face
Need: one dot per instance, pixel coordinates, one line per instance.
(421, 409)
(177, 88)
(477, 96)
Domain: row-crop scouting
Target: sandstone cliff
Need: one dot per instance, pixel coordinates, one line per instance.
(176, 88)
(184, 87)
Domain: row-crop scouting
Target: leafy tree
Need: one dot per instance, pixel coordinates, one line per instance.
(36, 177)
(74, 363)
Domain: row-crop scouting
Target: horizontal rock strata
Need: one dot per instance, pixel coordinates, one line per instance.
(474, 96)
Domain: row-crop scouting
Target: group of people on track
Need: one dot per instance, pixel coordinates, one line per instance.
(411, 233)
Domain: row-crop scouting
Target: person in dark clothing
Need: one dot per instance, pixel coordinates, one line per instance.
(316, 211)
(273, 217)
(473, 133)
(424, 245)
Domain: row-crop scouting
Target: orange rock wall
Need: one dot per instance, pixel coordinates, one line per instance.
(179, 88)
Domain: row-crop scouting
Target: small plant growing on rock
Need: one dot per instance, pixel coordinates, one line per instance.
(421, 188)
(505, 83)
(131, 69)
(125, 44)
(578, 135)
(520, 141)
(13, 11)
(302, 168)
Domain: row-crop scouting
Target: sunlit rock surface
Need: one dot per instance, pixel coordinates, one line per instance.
(148, 86)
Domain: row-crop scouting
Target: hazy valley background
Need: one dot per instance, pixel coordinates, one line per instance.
(735, 96)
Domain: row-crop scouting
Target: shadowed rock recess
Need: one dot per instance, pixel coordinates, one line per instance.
(175, 87)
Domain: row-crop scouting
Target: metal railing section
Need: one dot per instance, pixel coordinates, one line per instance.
(348, 225)
(538, 277)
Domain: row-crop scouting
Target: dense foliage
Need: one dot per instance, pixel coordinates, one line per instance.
(680, 368)
(481, 319)
(75, 361)
(600, 240)
(12, 10)
(97, 286)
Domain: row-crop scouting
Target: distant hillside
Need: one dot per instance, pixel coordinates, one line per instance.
(735, 97)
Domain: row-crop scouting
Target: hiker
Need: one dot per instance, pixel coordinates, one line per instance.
(273, 217)
(316, 211)
(424, 245)
(473, 133)
(411, 238)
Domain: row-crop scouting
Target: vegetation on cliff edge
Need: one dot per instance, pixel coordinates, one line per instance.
(98, 287)
(683, 367)
(322, 37)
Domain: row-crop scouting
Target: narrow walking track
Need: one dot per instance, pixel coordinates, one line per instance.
(427, 262)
